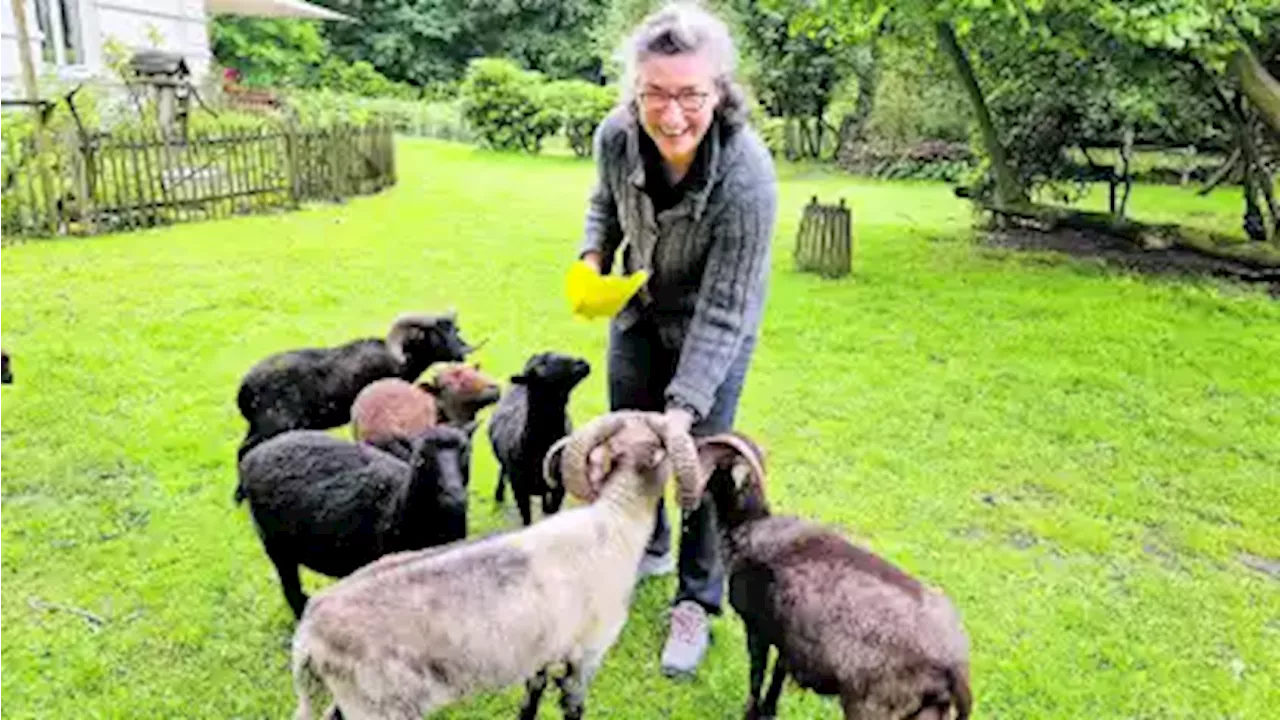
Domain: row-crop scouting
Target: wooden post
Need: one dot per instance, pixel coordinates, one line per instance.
(824, 241)
(81, 162)
(33, 96)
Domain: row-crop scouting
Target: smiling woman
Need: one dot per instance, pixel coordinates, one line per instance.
(686, 192)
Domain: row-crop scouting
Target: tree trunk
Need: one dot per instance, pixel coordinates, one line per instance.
(1007, 187)
(1262, 258)
(1126, 156)
(806, 140)
(1258, 85)
(1221, 173)
(789, 126)
(1255, 176)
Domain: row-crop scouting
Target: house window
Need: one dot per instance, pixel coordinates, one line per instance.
(61, 40)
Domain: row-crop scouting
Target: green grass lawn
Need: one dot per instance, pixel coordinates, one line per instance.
(1085, 461)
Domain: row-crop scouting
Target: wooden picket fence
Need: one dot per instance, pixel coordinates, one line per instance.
(824, 242)
(128, 180)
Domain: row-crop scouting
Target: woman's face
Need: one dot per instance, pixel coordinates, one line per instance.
(677, 99)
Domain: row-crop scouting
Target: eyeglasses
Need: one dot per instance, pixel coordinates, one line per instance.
(688, 100)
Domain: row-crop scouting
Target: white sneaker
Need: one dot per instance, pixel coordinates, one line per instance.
(688, 640)
(656, 565)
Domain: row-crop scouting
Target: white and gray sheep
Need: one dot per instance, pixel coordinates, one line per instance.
(313, 388)
(531, 416)
(844, 621)
(416, 631)
(334, 506)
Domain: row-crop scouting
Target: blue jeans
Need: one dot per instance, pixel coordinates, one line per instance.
(640, 367)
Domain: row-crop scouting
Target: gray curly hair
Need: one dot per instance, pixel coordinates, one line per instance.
(685, 27)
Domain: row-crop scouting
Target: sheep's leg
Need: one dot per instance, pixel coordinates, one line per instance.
(290, 582)
(526, 509)
(500, 494)
(551, 501)
(573, 701)
(770, 707)
(533, 688)
(758, 653)
(856, 707)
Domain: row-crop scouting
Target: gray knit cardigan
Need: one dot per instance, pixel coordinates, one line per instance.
(708, 256)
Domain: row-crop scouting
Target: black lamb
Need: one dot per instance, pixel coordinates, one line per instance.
(335, 506)
(844, 621)
(313, 388)
(531, 416)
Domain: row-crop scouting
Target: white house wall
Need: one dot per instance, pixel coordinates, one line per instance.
(10, 64)
(181, 25)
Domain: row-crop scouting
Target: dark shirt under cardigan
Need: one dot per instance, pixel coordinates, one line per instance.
(706, 244)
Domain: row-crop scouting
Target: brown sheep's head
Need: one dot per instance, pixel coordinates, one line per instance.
(462, 391)
(625, 442)
(734, 467)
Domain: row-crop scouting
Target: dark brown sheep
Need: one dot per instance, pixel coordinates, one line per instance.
(844, 621)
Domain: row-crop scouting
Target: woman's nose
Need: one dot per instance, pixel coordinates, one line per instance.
(671, 114)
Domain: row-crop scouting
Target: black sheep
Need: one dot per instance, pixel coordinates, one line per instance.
(844, 621)
(313, 388)
(335, 506)
(531, 416)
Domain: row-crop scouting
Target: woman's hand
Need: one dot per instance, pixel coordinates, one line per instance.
(593, 295)
(680, 419)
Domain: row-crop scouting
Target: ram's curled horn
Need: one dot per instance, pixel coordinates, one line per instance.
(742, 447)
(581, 443)
(552, 463)
(400, 330)
(684, 460)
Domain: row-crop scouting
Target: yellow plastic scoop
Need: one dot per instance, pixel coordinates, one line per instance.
(592, 295)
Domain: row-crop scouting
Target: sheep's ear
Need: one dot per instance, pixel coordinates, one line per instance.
(519, 379)
(430, 386)
(659, 454)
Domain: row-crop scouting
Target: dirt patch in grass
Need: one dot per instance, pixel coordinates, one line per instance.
(1117, 253)
(1265, 565)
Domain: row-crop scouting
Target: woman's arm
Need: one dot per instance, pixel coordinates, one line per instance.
(733, 283)
(603, 232)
